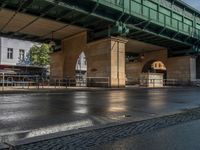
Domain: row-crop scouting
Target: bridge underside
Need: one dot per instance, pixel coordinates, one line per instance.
(92, 28)
(26, 20)
(107, 64)
(28, 27)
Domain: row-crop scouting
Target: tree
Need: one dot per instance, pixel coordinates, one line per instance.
(39, 55)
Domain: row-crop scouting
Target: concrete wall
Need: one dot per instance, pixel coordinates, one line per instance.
(181, 68)
(118, 62)
(56, 64)
(72, 48)
(106, 58)
(133, 70)
(99, 58)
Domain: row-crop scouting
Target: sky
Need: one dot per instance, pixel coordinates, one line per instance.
(193, 3)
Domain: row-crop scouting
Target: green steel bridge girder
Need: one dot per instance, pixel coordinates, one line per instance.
(88, 14)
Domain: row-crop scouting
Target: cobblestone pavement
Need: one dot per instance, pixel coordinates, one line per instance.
(183, 136)
(90, 139)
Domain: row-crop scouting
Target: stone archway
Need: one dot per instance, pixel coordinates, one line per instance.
(134, 69)
(81, 69)
(72, 47)
(155, 66)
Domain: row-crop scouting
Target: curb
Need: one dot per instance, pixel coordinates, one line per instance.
(62, 90)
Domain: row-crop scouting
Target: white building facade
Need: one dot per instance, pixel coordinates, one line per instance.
(14, 52)
(15, 56)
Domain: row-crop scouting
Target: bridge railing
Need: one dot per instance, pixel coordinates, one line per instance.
(137, 9)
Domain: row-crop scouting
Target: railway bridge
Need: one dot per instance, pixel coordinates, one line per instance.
(120, 38)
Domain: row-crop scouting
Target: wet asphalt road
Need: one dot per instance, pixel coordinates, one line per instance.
(29, 115)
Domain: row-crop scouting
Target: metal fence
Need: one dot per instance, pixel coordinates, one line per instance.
(155, 82)
(81, 82)
(8, 81)
(34, 81)
(196, 82)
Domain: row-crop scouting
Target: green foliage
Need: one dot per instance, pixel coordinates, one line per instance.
(39, 55)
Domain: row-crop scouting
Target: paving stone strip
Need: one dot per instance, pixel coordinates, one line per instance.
(88, 139)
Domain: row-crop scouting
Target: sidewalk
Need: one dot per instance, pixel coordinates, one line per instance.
(184, 136)
(44, 89)
(61, 89)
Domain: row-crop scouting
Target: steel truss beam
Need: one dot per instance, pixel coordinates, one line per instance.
(27, 5)
(20, 5)
(67, 5)
(42, 14)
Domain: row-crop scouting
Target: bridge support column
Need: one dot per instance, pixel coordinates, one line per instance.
(183, 69)
(72, 48)
(63, 62)
(56, 65)
(106, 59)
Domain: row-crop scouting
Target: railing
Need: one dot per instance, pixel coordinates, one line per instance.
(154, 82)
(98, 81)
(196, 82)
(37, 82)
(7, 80)
(34, 81)
(160, 82)
(154, 16)
(171, 82)
(132, 81)
(81, 82)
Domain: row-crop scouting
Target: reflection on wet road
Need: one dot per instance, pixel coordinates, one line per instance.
(28, 115)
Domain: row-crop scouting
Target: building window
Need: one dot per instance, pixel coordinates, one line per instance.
(21, 54)
(10, 53)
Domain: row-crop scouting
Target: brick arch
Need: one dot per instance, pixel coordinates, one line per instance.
(72, 48)
(82, 53)
(147, 66)
(133, 70)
